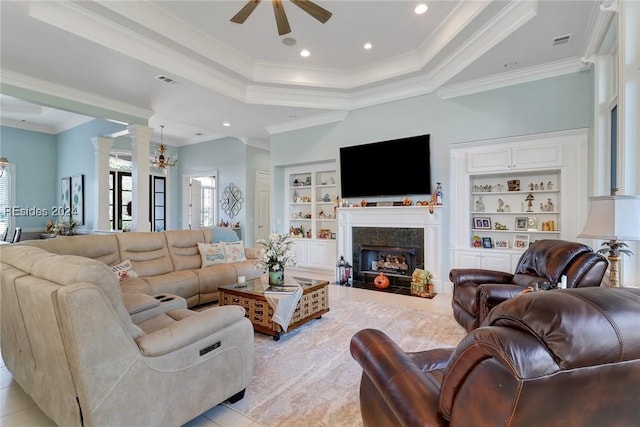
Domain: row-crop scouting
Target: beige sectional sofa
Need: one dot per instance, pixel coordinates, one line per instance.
(93, 351)
(165, 263)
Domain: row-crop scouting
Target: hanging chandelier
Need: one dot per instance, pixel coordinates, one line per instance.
(161, 161)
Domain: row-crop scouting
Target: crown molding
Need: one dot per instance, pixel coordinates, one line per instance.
(10, 78)
(554, 69)
(319, 119)
(230, 80)
(27, 126)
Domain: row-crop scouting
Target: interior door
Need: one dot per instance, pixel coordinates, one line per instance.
(191, 203)
(263, 197)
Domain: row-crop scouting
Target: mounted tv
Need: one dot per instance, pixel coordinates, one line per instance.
(398, 167)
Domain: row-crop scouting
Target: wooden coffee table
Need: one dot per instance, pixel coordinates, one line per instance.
(312, 305)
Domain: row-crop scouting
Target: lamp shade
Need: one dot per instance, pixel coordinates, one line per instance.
(613, 218)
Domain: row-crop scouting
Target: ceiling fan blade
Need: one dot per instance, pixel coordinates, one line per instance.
(320, 13)
(281, 18)
(244, 13)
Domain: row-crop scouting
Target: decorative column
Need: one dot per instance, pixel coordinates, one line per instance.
(102, 147)
(140, 138)
(628, 123)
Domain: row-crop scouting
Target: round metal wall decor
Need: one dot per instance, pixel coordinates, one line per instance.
(232, 200)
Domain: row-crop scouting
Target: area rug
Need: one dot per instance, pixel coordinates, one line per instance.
(308, 377)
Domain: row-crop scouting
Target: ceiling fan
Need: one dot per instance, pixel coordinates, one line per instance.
(311, 8)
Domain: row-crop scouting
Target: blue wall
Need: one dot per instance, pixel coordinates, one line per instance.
(552, 104)
(35, 157)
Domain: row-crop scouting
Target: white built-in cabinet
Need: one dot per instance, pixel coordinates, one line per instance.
(548, 202)
(311, 194)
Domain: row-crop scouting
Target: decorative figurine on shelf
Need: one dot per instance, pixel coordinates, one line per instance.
(406, 202)
(507, 208)
(500, 206)
(549, 185)
(477, 242)
(529, 200)
(295, 197)
(479, 204)
(363, 203)
(326, 198)
(550, 206)
(438, 194)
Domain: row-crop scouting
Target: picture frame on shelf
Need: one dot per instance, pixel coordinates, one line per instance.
(325, 233)
(504, 244)
(532, 223)
(521, 241)
(482, 223)
(487, 243)
(521, 223)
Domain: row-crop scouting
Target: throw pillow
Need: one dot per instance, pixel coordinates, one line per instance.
(224, 234)
(211, 253)
(124, 270)
(234, 251)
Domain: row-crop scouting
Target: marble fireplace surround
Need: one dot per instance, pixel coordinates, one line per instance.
(395, 217)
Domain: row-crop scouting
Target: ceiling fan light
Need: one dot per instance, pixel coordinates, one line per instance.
(367, 46)
(305, 53)
(421, 8)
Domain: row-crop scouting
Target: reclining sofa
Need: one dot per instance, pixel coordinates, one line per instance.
(565, 357)
(164, 263)
(93, 351)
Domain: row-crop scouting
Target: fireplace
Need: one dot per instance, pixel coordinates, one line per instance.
(411, 232)
(394, 251)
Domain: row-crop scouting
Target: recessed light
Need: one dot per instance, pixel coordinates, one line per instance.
(305, 53)
(226, 124)
(421, 8)
(367, 46)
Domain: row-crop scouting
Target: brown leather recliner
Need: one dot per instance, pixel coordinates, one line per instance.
(567, 357)
(477, 291)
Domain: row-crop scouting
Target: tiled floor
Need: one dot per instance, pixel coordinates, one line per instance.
(18, 410)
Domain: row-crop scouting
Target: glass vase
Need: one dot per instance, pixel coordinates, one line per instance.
(276, 277)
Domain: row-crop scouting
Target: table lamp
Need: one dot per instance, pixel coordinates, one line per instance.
(613, 218)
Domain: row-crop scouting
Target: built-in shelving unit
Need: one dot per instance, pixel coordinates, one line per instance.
(508, 193)
(310, 212)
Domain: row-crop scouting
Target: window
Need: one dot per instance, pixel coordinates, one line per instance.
(158, 203)
(208, 196)
(614, 148)
(121, 194)
(120, 197)
(7, 199)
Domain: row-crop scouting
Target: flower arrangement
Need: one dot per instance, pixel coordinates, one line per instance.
(277, 252)
(62, 227)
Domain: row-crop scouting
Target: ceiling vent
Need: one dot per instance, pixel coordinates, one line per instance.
(561, 40)
(165, 79)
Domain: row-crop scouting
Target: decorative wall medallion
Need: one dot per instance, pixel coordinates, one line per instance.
(232, 200)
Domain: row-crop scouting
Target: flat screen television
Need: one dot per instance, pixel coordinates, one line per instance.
(398, 167)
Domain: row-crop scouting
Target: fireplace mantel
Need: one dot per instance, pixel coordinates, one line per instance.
(395, 217)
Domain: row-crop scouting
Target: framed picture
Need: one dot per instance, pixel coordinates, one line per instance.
(532, 223)
(502, 243)
(486, 242)
(333, 235)
(325, 233)
(521, 222)
(482, 223)
(77, 199)
(521, 241)
(65, 198)
(513, 185)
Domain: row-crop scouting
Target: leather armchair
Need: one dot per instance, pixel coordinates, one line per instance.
(477, 291)
(554, 358)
